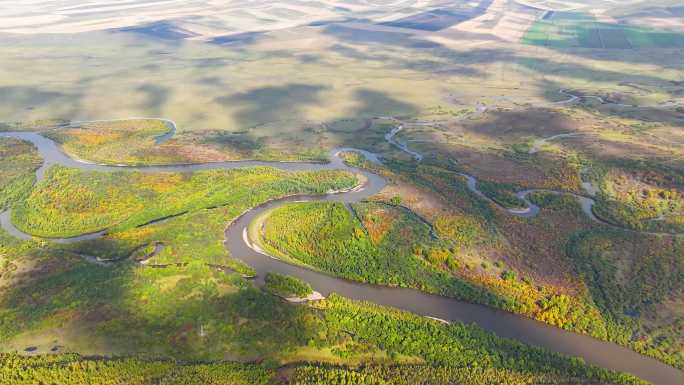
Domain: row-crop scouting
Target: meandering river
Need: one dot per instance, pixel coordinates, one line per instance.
(600, 353)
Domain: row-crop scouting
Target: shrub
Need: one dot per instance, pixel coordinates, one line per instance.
(286, 286)
(508, 275)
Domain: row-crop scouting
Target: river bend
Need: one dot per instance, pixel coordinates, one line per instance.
(593, 351)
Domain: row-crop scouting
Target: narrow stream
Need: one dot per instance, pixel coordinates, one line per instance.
(586, 202)
(603, 354)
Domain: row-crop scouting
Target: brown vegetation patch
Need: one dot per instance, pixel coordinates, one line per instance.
(666, 313)
(673, 117)
(539, 170)
(13, 147)
(30, 268)
(612, 149)
(378, 221)
(511, 125)
(99, 314)
(190, 153)
(16, 269)
(538, 245)
(488, 166)
(643, 182)
(422, 201)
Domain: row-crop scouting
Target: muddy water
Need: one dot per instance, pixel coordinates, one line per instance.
(603, 354)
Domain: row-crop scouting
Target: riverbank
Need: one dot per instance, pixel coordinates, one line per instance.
(505, 324)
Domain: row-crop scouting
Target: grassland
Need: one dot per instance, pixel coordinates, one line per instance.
(112, 142)
(34, 125)
(136, 142)
(229, 102)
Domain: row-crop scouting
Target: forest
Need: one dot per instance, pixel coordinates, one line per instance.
(464, 354)
(377, 242)
(389, 245)
(368, 242)
(71, 202)
(641, 196)
(18, 163)
(549, 238)
(286, 286)
(634, 292)
(76, 370)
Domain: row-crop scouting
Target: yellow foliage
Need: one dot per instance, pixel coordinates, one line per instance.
(438, 256)
(459, 228)
(134, 233)
(159, 182)
(94, 138)
(378, 222)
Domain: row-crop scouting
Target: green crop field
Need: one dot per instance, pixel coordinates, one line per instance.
(575, 30)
